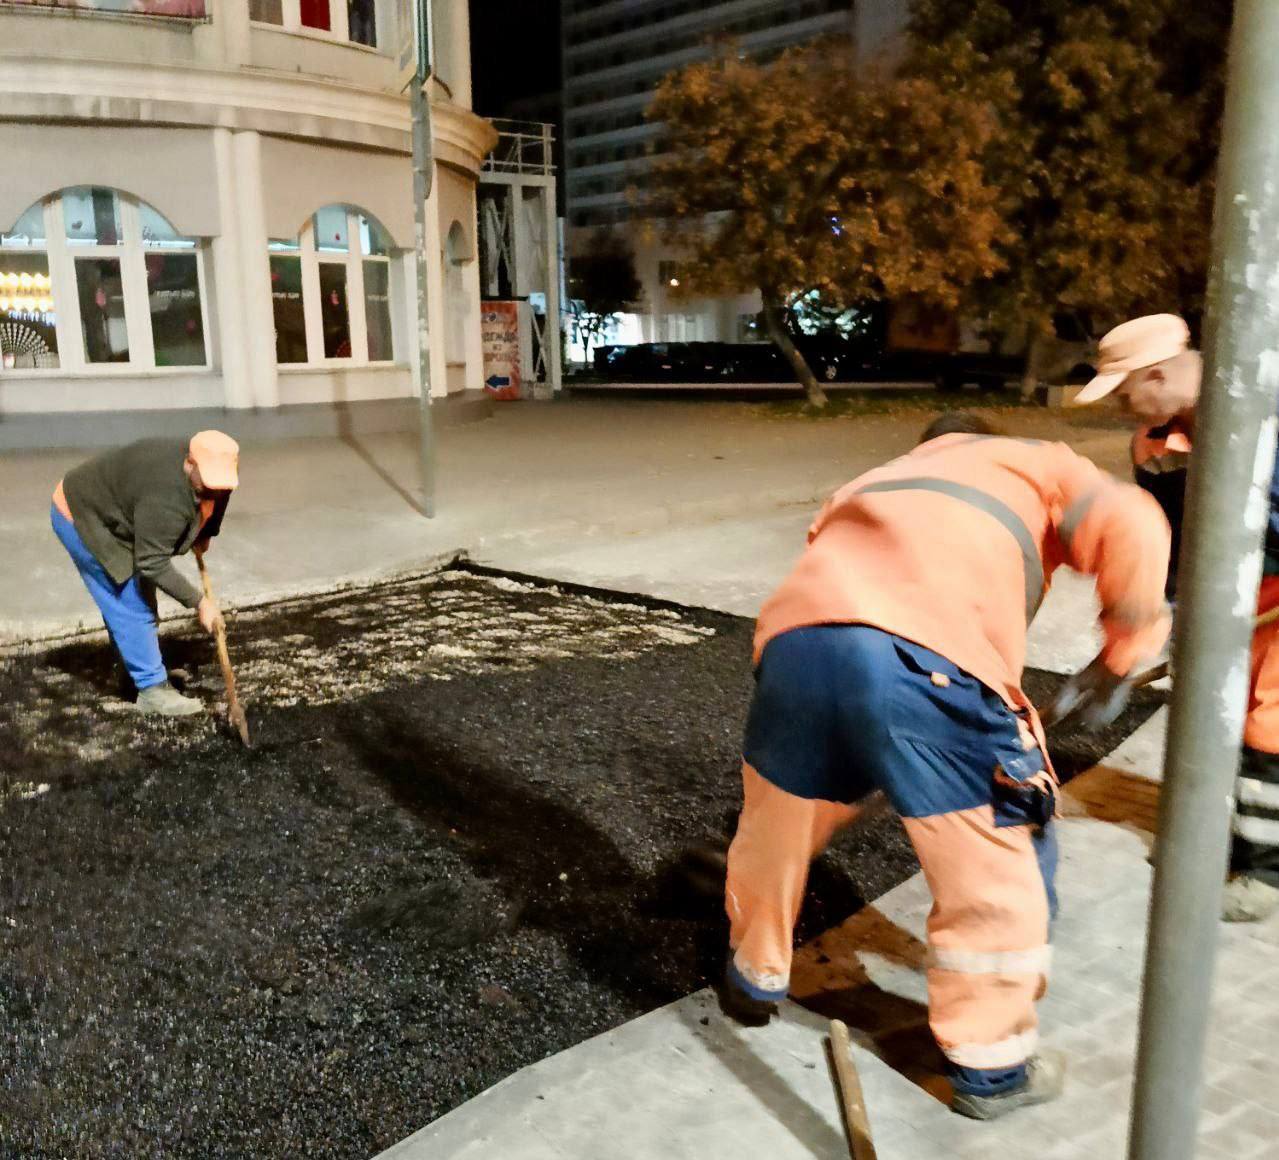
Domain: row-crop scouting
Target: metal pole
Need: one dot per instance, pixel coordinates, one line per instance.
(423, 167)
(1227, 508)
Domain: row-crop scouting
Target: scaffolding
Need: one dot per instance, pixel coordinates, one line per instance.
(520, 241)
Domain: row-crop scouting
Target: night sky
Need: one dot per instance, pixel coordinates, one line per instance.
(515, 53)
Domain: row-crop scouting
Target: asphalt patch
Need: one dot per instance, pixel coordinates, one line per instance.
(460, 844)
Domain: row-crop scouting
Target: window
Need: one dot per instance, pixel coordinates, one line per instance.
(332, 230)
(331, 290)
(333, 310)
(290, 317)
(91, 279)
(361, 21)
(315, 14)
(375, 245)
(377, 309)
(102, 321)
(351, 21)
(177, 324)
(28, 330)
(173, 292)
(91, 217)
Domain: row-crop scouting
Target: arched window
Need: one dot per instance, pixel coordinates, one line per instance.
(331, 290)
(457, 253)
(91, 278)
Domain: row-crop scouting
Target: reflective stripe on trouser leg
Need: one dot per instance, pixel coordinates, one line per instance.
(1256, 823)
(778, 835)
(988, 936)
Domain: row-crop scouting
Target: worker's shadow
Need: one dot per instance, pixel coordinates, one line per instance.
(96, 666)
(91, 664)
(859, 973)
(556, 870)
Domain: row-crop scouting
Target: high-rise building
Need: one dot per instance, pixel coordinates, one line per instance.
(615, 54)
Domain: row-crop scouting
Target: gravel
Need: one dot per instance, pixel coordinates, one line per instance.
(457, 847)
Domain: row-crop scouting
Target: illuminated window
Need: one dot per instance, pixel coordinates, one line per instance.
(91, 279)
(332, 290)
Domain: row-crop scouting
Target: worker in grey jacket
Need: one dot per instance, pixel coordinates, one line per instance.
(122, 517)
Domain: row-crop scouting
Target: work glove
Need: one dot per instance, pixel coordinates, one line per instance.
(1094, 696)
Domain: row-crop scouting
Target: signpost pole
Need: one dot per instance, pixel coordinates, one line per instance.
(1222, 562)
(423, 166)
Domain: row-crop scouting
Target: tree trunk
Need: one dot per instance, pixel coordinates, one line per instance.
(1035, 355)
(774, 313)
(1049, 359)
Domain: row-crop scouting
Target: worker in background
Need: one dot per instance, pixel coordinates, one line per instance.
(1147, 365)
(122, 517)
(890, 659)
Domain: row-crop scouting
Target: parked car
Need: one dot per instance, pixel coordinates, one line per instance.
(831, 359)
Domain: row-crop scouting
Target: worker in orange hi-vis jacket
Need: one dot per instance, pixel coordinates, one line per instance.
(890, 659)
(1148, 367)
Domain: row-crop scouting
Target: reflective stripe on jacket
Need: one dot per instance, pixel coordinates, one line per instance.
(953, 546)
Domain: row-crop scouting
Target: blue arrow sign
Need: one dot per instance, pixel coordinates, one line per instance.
(498, 381)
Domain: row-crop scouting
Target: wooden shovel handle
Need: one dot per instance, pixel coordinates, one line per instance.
(851, 1099)
(234, 710)
(1161, 670)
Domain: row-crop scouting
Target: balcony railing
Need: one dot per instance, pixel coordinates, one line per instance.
(522, 147)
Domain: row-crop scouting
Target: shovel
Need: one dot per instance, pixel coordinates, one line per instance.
(235, 711)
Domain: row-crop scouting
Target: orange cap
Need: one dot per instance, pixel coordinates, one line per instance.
(218, 458)
(1132, 346)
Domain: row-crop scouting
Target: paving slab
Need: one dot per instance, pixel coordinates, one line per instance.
(686, 1082)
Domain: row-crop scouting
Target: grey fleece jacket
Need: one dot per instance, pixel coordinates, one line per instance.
(135, 510)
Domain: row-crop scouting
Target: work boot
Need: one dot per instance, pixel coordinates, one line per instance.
(744, 1008)
(1249, 899)
(165, 701)
(737, 1003)
(1045, 1079)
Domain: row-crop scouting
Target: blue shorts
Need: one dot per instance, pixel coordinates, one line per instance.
(842, 710)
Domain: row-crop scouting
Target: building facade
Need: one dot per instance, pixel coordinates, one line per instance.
(615, 54)
(208, 204)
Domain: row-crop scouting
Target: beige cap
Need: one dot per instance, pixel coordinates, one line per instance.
(218, 458)
(1132, 345)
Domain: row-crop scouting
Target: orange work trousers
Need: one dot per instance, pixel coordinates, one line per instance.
(988, 930)
(1256, 823)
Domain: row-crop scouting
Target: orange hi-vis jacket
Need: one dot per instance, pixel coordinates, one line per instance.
(953, 545)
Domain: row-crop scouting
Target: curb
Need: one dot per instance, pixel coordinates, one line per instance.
(52, 635)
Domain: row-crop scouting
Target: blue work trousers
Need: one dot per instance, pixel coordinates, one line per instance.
(128, 609)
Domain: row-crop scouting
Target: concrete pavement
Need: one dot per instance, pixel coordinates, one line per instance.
(690, 499)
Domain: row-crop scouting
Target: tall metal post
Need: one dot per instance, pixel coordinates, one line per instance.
(1227, 509)
(423, 173)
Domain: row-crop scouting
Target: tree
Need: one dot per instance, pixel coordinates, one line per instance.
(602, 284)
(791, 176)
(1107, 115)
